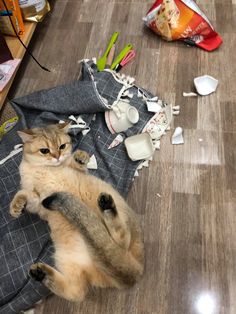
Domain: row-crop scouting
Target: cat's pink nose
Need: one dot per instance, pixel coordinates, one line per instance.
(56, 155)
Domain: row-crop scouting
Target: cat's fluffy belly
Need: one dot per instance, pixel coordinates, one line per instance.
(47, 180)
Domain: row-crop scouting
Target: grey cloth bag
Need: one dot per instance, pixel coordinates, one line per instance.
(26, 240)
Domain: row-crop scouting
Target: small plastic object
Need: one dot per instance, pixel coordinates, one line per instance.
(129, 56)
(121, 56)
(101, 63)
(7, 126)
(205, 84)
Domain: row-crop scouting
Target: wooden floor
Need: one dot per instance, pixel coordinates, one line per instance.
(186, 199)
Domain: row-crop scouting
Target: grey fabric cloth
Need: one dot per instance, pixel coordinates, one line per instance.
(26, 240)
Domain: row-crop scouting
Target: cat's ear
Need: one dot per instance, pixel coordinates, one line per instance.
(64, 126)
(26, 135)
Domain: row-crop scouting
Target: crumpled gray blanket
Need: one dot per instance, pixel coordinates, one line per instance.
(26, 240)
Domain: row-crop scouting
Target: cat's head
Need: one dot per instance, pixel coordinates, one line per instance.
(48, 146)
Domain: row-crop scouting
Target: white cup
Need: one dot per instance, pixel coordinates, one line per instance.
(121, 117)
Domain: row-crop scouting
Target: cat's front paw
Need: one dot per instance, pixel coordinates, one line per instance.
(81, 157)
(18, 203)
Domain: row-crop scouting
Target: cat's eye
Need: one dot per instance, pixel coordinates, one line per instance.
(63, 146)
(44, 151)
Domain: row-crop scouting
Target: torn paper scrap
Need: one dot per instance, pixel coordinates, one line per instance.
(146, 163)
(175, 110)
(153, 106)
(177, 137)
(156, 125)
(157, 144)
(92, 164)
(191, 94)
(119, 139)
(84, 132)
(136, 173)
(80, 123)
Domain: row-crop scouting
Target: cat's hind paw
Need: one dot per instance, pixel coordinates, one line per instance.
(37, 271)
(43, 273)
(106, 203)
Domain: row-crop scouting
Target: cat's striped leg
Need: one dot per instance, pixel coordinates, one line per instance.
(118, 231)
(72, 288)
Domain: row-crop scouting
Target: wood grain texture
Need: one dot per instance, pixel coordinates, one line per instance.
(186, 199)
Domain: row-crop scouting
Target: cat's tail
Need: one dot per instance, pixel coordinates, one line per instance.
(126, 268)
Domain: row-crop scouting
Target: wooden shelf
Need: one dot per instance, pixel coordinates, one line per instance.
(18, 52)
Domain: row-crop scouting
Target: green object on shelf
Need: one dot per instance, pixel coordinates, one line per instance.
(121, 56)
(101, 63)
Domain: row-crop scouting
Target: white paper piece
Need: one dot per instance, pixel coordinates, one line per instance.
(128, 94)
(191, 94)
(92, 164)
(140, 95)
(146, 163)
(176, 108)
(119, 139)
(177, 137)
(153, 106)
(80, 123)
(136, 174)
(175, 113)
(84, 132)
(154, 99)
(94, 117)
(157, 144)
(140, 166)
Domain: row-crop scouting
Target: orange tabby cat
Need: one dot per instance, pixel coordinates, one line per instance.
(96, 235)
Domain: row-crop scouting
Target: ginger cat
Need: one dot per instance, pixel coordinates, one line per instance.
(96, 235)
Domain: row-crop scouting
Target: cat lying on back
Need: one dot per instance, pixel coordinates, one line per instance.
(96, 235)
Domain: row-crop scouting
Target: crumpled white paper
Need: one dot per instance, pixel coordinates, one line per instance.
(92, 164)
(119, 139)
(177, 137)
